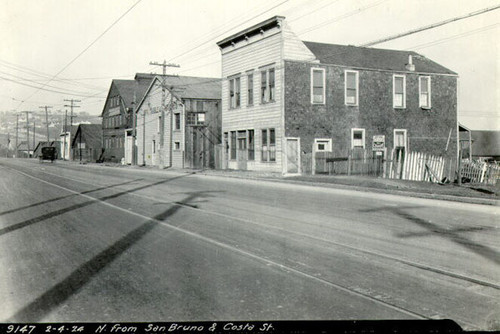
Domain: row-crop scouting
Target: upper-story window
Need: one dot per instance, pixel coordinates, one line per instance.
(399, 91)
(317, 85)
(250, 89)
(234, 93)
(351, 88)
(177, 121)
(424, 89)
(267, 86)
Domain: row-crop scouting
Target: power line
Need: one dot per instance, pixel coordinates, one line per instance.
(227, 31)
(340, 17)
(432, 26)
(84, 50)
(443, 40)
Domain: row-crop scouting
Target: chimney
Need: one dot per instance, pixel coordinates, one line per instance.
(410, 66)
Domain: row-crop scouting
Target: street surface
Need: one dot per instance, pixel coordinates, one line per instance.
(85, 243)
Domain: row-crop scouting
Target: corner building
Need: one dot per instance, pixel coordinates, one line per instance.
(283, 98)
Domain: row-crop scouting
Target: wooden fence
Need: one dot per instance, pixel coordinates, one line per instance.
(476, 171)
(416, 166)
(355, 162)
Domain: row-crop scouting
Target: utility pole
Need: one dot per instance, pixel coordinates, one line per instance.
(65, 133)
(164, 65)
(71, 105)
(17, 135)
(34, 129)
(134, 131)
(47, 121)
(28, 133)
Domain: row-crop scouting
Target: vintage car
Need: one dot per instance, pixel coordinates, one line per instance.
(48, 153)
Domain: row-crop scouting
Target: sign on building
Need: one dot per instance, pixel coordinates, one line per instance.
(378, 143)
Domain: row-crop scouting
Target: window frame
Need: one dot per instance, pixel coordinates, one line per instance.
(328, 142)
(322, 70)
(403, 106)
(363, 135)
(268, 147)
(356, 76)
(234, 92)
(267, 86)
(405, 136)
(429, 92)
(177, 121)
(250, 89)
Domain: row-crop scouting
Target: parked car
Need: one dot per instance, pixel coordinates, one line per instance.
(48, 153)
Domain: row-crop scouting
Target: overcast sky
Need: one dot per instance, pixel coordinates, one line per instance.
(70, 39)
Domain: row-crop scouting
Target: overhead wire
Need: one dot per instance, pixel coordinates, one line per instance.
(84, 50)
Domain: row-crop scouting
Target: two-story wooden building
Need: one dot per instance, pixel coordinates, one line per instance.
(283, 98)
(189, 135)
(117, 115)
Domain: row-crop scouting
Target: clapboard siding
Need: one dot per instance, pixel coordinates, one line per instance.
(294, 48)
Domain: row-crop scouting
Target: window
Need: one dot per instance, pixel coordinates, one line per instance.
(233, 145)
(399, 138)
(358, 138)
(268, 145)
(250, 89)
(242, 140)
(201, 118)
(323, 145)
(177, 121)
(271, 84)
(351, 88)
(153, 146)
(399, 91)
(177, 145)
(267, 85)
(251, 145)
(424, 88)
(234, 93)
(317, 86)
(226, 144)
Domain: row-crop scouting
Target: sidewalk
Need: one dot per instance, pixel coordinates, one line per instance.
(467, 193)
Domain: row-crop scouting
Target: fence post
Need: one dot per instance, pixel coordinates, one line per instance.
(313, 161)
(349, 153)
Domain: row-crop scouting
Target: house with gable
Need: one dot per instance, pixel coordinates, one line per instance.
(117, 117)
(284, 98)
(189, 135)
(86, 145)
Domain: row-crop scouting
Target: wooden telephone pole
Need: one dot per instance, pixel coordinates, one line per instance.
(164, 65)
(47, 120)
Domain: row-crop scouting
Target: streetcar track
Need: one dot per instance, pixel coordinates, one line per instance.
(274, 263)
(242, 252)
(359, 250)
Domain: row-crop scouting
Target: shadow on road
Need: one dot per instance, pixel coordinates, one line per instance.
(452, 235)
(67, 196)
(58, 294)
(52, 214)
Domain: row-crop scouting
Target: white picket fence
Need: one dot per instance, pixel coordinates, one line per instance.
(416, 166)
(476, 171)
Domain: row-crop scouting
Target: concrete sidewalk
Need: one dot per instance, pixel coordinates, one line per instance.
(467, 193)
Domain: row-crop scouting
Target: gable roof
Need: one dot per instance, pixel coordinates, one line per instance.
(185, 87)
(127, 88)
(372, 58)
(91, 132)
(485, 143)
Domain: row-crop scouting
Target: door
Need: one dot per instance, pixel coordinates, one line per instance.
(292, 155)
(241, 155)
(128, 149)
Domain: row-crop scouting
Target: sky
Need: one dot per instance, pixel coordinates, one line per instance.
(54, 50)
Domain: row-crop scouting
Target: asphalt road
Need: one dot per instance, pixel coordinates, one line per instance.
(91, 243)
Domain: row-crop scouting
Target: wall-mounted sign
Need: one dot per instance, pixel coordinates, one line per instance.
(378, 143)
